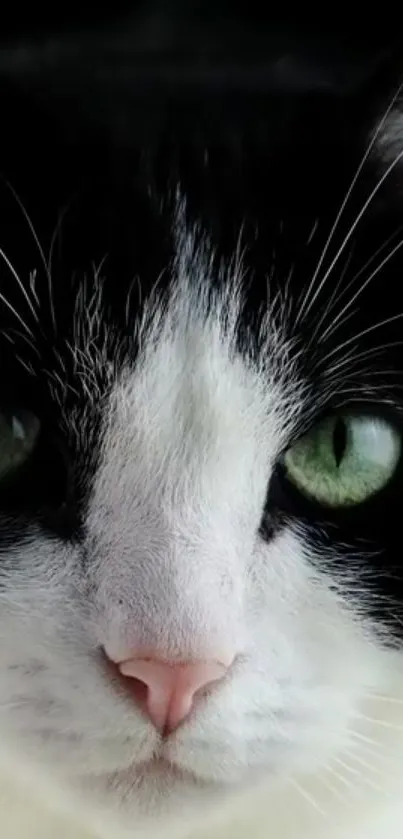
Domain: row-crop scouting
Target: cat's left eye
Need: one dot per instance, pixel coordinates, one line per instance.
(19, 432)
(344, 460)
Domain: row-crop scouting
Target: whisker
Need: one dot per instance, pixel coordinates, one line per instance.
(23, 337)
(32, 281)
(27, 366)
(352, 229)
(379, 753)
(329, 305)
(368, 781)
(312, 232)
(364, 763)
(353, 359)
(374, 256)
(362, 288)
(341, 211)
(40, 249)
(371, 259)
(347, 767)
(380, 697)
(309, 798)
(8, 337)
(16, 315)
(62, 215)
(363, 332)
(363, 397)
(331, 370)
(10, 266)
(334, 791)
(347, 783)
(365, 739)
(341, 323)
(382, 723)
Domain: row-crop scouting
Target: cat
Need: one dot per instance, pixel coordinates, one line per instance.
(201, 437)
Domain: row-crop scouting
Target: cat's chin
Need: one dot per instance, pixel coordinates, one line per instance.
(158, 789)
(160, 768)
(154, 789)
(163, 775)
(156, 772)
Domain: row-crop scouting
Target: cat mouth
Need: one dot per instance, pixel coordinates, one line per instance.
(160, 767)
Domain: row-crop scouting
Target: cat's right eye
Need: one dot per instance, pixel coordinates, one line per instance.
(344, 460)
(19, 431)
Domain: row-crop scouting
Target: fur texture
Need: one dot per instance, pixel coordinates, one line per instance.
(212, 291)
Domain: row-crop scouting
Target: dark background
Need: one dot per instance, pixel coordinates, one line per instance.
(185, 43)
(98, 102)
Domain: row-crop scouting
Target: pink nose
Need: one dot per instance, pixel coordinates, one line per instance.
(170, 688)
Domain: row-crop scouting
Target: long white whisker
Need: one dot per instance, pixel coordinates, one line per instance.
(368, 781)
(307, 797)
(334, 327)
(363, 332)
(23, 337)
(8, 337)
(40, 249)
(382, 723)
(10, 266)
(334, 791)
(329, 305)
(364, 763)
(363, 738)
(27, 366)
(342, 208)
(331, 369)
(380, 697)
(352, 229)
(369, 261)
(379, 753)
(362, 288)
(16, 315)
(353, 358)
(363, 399)
(347, 767)
(32, 280)
(345, 781)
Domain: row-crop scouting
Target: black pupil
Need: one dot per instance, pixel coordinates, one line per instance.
(339, 440)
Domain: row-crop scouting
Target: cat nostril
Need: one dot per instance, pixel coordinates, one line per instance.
(167, 691)
(137, 690)
(134, 688)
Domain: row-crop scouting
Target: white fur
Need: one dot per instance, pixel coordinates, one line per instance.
(305, 736)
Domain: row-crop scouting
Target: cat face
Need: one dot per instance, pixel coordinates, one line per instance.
(172, 555)
(205, 464)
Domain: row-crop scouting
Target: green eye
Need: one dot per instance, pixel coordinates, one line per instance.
(18, 435)
(344, 460)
